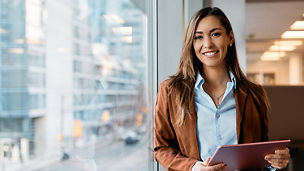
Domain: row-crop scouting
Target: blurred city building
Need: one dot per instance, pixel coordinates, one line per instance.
(73, 73)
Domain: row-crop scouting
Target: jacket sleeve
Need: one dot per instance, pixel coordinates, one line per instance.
(264, 122)
(166, 146)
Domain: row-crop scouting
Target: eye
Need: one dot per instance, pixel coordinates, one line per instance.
(198, 37)
(216, 34)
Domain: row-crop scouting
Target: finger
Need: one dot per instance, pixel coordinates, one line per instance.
(279, 164)
(217, 166)
(277, 156)
(278, 161)
(206, 162)
(276, 166)
(268, 156)
(224, 168)
(285, 154)
(283, 151)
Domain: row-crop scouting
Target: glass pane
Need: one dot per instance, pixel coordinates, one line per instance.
(74, 85)
(275, 42)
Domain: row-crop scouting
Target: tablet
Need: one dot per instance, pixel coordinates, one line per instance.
(246, 156)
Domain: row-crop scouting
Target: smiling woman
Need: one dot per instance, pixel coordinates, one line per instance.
(211, 42)
(209, 102)
(210, 45)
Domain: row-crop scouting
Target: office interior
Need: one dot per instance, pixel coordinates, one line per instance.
(79, 78)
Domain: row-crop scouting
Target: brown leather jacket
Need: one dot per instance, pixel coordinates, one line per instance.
(176, 147)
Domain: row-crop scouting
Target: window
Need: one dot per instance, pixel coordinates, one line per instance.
(74, 85)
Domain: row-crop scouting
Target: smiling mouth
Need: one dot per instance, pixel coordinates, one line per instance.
(210, 53)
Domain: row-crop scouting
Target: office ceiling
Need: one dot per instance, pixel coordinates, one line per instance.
(267, 21)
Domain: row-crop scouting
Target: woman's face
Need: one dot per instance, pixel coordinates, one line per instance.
(211, 42)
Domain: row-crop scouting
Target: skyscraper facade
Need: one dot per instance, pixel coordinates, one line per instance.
(73, 73)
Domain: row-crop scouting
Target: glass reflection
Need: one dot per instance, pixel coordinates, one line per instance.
(74, 93)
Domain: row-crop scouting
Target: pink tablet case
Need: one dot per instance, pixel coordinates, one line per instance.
(246, 156)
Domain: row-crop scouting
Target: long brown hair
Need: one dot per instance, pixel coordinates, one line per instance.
(183, 81)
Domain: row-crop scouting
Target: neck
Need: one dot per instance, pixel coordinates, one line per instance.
(216, 76)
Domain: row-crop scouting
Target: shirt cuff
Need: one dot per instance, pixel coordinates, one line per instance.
(271, 168)
(196, 163)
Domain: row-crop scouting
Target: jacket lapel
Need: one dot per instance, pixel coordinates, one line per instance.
(192, 128)
(240, 101)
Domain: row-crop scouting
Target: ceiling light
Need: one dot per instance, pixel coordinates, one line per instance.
(288, 43)
(272, 56)
(293, 34)
(282, 48)
(297, 25)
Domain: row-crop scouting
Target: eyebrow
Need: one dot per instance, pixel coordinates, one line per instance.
(212, 30)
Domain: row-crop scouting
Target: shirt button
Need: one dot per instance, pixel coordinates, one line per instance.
(217, 115)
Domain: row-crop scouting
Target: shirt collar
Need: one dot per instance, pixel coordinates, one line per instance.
(200, 80)
(232, 78)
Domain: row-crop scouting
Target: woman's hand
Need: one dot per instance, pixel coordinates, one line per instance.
(204, 166)
(279, 159)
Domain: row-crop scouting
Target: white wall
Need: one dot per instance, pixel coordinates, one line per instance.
(170, 32)
(172, 21)
(191, 7)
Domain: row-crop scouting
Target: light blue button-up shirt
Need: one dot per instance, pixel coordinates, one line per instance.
(215, 126)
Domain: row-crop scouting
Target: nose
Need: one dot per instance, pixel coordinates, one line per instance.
(207, 44)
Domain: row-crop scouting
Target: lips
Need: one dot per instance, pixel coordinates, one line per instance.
(210, 53)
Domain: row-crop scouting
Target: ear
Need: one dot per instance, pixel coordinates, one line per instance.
(231, 38)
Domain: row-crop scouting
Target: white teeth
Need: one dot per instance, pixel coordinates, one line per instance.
(209, 53)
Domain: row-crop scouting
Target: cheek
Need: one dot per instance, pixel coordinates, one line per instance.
(224, 51)
(197, 47)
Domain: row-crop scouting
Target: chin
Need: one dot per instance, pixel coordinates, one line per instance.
(212, 64)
